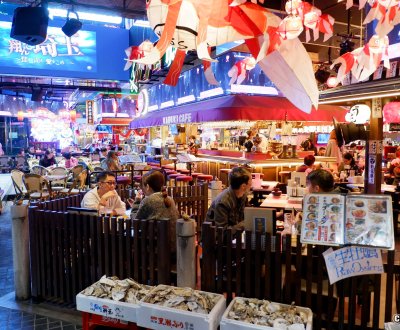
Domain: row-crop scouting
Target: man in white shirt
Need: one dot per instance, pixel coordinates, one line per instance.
(104, 198)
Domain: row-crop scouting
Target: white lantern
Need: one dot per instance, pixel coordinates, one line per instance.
(290, 27)
(311, 18)
(378, 45)
(388, 3)
(293, 7)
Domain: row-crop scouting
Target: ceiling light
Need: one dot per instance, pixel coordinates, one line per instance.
(72, 25)
(87, 16)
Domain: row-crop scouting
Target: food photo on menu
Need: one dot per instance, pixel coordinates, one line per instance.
(321, 219)
(334, 219)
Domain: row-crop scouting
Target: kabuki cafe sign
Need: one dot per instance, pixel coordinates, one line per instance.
(177, 119)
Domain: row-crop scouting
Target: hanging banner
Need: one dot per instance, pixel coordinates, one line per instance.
(376, 108)
(89, 112)
(371, 169)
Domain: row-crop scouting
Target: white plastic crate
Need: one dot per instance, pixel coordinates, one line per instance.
(153, 316)
(229, 324)
(107, 307)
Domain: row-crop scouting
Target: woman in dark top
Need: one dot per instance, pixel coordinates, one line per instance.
(48, 159)
(349, 164)
(157, 204)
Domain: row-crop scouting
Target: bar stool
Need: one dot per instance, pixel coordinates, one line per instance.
(224, 175)
(168, 172)
(172, 178)
(184, 171)
(204, 178)
(168, 167)
(183, 180)
(195, 175)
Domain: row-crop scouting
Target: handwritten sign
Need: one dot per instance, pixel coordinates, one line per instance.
(376, 108)
(352, 261)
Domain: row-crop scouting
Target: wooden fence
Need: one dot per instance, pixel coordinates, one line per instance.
(61, 204)
(272, 268)
(71, 251)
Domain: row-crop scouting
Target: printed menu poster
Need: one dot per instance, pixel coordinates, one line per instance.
(334, 219)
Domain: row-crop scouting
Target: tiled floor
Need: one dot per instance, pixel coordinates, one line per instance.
(25, 315)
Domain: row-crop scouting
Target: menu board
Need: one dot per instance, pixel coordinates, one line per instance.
(334, 219)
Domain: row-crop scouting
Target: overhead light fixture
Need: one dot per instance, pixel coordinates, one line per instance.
(72, 25)
(87, 16)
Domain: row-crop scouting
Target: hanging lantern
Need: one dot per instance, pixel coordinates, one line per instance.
(20, 115)
(388, 3)
(290, 27)
(311, 18)
(378, 45)
(293, 7)
(72, 115)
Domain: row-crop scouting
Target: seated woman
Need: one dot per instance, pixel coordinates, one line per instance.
(349, 164)
(48, 159)
(157, 204)
(70, 161)
(308, 165)
(111, 163)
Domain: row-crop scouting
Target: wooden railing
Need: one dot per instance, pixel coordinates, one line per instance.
(272, 268)
(71, 251)
(61, 204)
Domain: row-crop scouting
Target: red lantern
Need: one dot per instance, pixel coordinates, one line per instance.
(72, 115)
(20, 115)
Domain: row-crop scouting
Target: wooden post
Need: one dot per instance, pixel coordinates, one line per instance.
(374, 150)
(186, 253)
(20, 243)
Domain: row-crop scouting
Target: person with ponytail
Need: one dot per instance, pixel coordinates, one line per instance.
(157, 204)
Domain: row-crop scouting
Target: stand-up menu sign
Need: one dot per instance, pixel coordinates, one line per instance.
(334, 219)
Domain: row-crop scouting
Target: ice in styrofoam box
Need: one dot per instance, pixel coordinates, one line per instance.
(252, 315)
(111, 297)
(180, 311)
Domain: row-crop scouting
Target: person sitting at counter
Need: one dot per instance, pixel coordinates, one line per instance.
(157, 204)
(321, 151)
(308, 145)
(111, 163)
(308, 165)
(104, 197)
(320, 181)
(48, 159)
(349, 164)
(228, 207)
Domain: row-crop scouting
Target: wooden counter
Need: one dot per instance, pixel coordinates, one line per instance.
(215, 160)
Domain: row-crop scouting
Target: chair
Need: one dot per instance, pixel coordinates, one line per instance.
(19, 186)
(40, 170)
(77, 185)
(58, 185)
(34, 184)
(5, 163)
(60, 161)
(75, 171)
(32, 162)
(20, 162)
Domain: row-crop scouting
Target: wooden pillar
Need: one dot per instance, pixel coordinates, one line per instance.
(374, 150)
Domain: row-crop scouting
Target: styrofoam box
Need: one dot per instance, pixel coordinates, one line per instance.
(229, 324)
(106, 307)
(153, 316)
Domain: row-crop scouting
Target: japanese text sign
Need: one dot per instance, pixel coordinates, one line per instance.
(352, 261)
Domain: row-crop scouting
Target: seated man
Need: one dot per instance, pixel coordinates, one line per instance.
(104, 197)
(228, 208)
(322, 181)
(308, 165)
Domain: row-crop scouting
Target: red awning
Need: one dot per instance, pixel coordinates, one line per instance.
(115, 121)
(238, 107)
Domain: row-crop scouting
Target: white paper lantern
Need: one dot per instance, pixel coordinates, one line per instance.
(290, 27)
(378, 45)
(292, 7)
(311, 18)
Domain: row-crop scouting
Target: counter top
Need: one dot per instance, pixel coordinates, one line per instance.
(254, 159)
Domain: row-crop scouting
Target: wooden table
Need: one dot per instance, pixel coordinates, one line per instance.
(282, 202)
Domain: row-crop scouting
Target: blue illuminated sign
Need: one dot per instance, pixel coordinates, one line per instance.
(58, 52)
